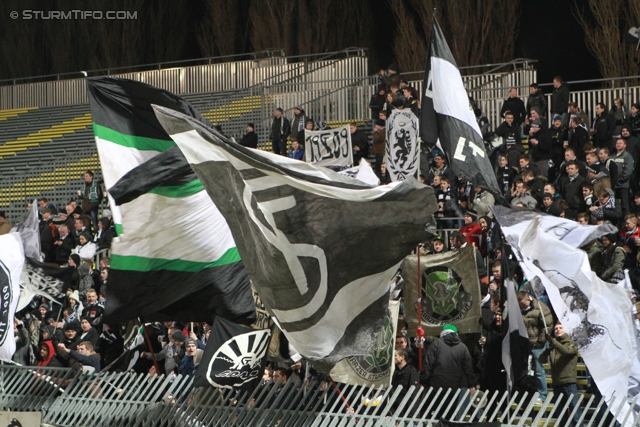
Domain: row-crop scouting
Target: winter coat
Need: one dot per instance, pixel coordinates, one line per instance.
(594, 254)
(22, 353)
(613, 261)
(624, 161)
(447, 364)
(250, 139)
(563, 358)
(91, 335)
(64, 250)
(635, 125)
(379, 141)
(86, 282)
(571, 190)
(516, 106)
(511, 136)
(482, 204)
(376, 104)
(603, 126)
(537, 99)
(560, 100)
(533, 320)
(280, 129)
(578, 140)
(89, 364)
(526, 199)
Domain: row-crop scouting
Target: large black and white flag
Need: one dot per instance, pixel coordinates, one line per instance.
(235, 356)
(447, 115)
(328, 147)
(403, 147)
(11, 262)
(515, 345)
(596, 315)
(320, 247)
(450, 291)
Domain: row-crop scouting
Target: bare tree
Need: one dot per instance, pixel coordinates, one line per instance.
(273, 24)
(220, 32)
(477, 32)
(604, 34)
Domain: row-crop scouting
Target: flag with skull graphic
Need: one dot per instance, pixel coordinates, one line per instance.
(403, 147)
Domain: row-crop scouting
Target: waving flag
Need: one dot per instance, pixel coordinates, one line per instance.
(11, 262)
(320, 247)
(174, 257)
(447, 115)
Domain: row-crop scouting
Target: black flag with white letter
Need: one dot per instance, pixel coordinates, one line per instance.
(447, 115)
(235, 356)
(320, 248)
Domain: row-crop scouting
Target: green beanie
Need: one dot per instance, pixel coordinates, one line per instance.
(449, 327)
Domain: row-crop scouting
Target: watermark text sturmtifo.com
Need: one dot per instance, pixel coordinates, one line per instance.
(74, 14)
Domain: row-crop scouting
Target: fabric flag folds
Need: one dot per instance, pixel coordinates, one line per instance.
(515, 345)
(596, 315)
(174, 256)
(376, 368)
(320, 247)
(11, 263)
(450, 291)
(235, 356)
(446, 115)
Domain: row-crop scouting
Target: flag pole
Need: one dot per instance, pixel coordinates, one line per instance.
(419, 330)
(335, 387)
(153, 354)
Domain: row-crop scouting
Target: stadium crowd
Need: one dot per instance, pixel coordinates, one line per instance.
(576, 167)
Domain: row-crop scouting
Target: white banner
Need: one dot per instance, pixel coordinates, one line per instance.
(596, 315)
(377, 367)
(403, 147)
(11, 263)
(19, 419)
(363, 173)
(328, 147)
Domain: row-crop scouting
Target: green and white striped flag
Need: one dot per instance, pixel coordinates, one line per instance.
(174, 257)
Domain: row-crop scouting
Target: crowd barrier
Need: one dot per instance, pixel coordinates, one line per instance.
(66, 398)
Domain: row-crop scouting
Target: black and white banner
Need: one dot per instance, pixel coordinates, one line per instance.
(596, 315)
(235, 356)
(11, 263)
(403, 147)
(447, 116)
(328, 147)
(309, 237)
(363, 172)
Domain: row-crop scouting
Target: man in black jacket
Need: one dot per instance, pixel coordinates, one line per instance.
(540, 140)
(509, 130)
(602, 127)
(571, 190)
(559, 97)
(250, 139)
(515, 105)
(280, 130)
(360, 144)
(64, 245)
(448, 365)
(405, 375)
(537, 99)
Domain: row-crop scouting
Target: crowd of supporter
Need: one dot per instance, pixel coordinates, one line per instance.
(553, 159)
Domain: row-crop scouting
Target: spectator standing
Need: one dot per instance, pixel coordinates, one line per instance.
(379, 144)
(63, 245)
(280, 131)
(624, 162)
(250, 139)
(359, 142)
(297, 124)
(405, 374)
(538, 321)
(391, 77)
(510, 133)
(620, 115)
(540, 141)
(91, 196)
(579, 137)
(634, 120)
(376, 104)
(537, 99)
(514, 105)
(571, 190)
(602, 127)
(559, 98)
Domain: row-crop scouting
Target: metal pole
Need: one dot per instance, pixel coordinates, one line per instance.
(419, 330)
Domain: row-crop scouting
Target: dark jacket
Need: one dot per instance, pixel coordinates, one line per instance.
(376, 104)
(280, 129)
(359, 139)
(406, 377)
(448, 364)
(543, 149)
(537, 99)
(571, 191)
(603, 126)
(564, 360)
(578, 139)
(560, 99)
(516, 106)
(533, 320)
(536, 188)
(511, 135)
(250, 139)
(92, 361)
(92, 336)
(64, 250)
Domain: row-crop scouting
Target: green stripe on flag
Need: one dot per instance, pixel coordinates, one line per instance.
(137, 263)
(118, 228)
(185, 190)
(131, 141)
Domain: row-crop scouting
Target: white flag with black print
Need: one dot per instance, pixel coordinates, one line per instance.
(11, 263)
(403, 147)
(363, 172)
(595, 314)
(330, 147)
(447, 114)
(319, 247)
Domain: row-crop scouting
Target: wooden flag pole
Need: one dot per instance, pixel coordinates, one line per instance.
(150, 345)
(419, 330)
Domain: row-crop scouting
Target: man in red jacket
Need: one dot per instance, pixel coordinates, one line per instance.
(472, 231)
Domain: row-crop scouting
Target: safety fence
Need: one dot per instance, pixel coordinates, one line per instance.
(68, 398)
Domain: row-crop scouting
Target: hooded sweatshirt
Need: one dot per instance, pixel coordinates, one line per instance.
(448, 364)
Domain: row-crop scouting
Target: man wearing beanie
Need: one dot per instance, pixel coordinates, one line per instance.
(280, 130)
(250, 139)
(447, 365)
(472, 231)
(172, 353)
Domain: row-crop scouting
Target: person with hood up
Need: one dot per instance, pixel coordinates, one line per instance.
(104, 236)
(613, 257)
(448, 365)
(47, 355)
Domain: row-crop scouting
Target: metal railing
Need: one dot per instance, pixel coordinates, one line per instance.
(68, 398)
